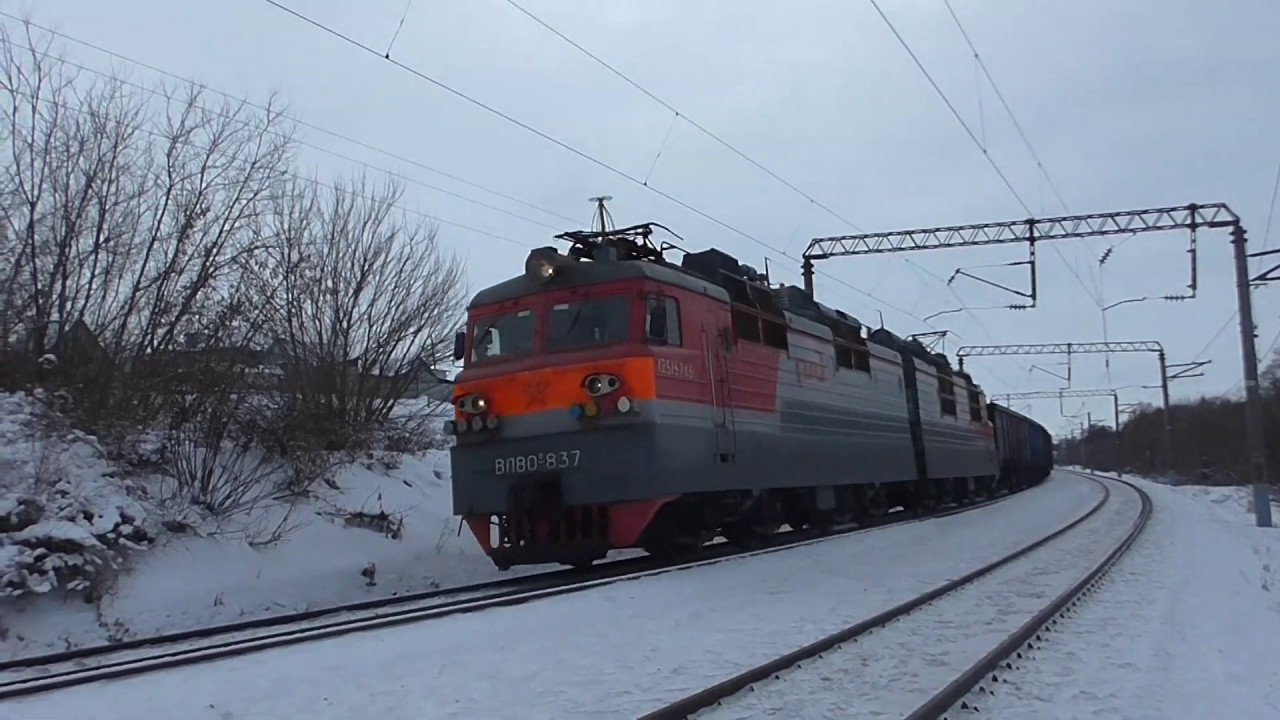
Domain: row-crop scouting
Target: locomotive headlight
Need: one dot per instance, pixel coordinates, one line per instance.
(601, 384)
(472, 404)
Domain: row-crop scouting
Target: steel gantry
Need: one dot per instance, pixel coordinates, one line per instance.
(1031, 231)
(1190, 217)
(1069, 349)
(1065, 393)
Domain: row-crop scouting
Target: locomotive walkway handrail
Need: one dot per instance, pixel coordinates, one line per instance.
(45, 676)
(713, 695)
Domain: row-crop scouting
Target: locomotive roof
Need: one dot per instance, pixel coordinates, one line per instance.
(583, 273)
(710, 272)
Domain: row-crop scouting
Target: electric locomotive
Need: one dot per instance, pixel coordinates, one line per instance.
(613, 399)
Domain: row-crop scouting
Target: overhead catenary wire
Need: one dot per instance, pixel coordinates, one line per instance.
(292, 118)
(995, 87)
(1271, 211)
(677, 114)
(303, 178)
(567, 147)
(978, 143)
(154, 92)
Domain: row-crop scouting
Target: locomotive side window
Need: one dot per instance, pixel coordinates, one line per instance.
(662, 320)
(591, 322)
(844, 356)
(503, 337)
(947, 395)
(853, 357)
(775, 333)
(975, 408)
(746, 325)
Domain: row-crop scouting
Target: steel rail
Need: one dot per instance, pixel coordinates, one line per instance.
(710, 696)
(397, 613)
(955, 691)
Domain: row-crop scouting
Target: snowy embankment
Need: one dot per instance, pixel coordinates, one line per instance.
(213, 572)
(1186, 625)
(616, 651)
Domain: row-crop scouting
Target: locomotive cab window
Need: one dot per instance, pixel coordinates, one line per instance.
(503, 337)
(662, 320)
(590, 322)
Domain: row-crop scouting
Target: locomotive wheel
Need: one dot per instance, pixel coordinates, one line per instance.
(924, 497)
(946, 493)
(797, 519)
(875, 502)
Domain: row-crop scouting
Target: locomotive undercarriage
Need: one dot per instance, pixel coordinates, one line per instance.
(746, 519)
(578, 535)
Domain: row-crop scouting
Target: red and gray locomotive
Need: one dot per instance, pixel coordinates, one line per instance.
(612, 399)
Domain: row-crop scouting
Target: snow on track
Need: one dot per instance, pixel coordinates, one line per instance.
(893, 670)
(618, 651)
(1185, 626)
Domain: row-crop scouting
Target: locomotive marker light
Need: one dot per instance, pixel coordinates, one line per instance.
(624, 404)
(542, 263)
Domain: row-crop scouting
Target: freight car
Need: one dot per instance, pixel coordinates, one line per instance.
(1024, 448)
(612, 399)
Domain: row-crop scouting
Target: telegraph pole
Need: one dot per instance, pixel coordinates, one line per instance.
(1252, 399)
(1168, 423)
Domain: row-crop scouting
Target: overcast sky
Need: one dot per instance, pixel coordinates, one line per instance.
(1130, 104)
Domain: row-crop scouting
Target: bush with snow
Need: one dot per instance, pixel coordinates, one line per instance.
(65, 520)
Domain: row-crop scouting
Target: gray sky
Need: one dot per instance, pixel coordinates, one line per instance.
(1129, 104)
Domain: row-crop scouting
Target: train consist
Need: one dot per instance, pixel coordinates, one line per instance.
(612, 399)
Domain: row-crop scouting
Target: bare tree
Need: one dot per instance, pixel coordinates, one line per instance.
(366, 303)
(129, 215)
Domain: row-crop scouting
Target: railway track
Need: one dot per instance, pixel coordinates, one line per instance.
(944, 647)
(29, 676)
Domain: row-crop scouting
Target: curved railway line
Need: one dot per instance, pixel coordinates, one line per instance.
(757, 679)
(37, 674)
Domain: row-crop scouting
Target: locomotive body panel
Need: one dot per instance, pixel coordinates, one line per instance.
(699, 407)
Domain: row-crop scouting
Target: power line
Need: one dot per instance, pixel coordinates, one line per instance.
(1026, 141)
(299, 121)
(680, 115)
(565, 146)
(301, 178)
(677, 114)
(1017, 125)
(990, 160)
(1216, 335)
(1271, 211)
(370, 166)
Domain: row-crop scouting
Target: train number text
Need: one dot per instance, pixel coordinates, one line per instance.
(537, 462)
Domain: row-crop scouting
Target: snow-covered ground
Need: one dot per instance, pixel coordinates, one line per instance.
(893, 670)
(1186, 625)
(616, 651)
(185, 581)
